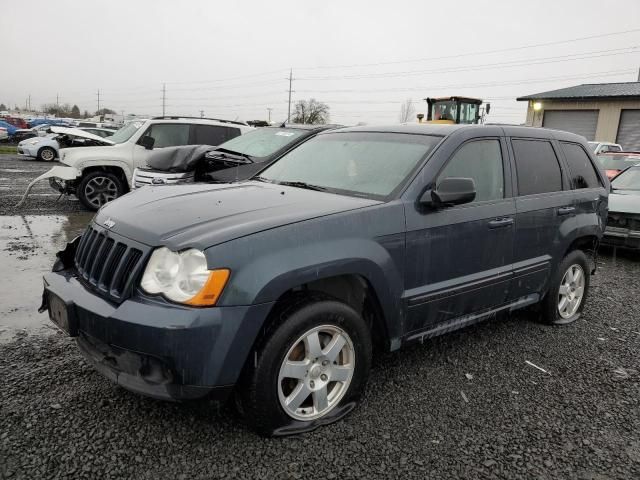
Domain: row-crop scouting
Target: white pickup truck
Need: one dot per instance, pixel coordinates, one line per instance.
(100, 174)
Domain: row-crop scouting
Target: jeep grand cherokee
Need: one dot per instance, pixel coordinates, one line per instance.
(277, 288)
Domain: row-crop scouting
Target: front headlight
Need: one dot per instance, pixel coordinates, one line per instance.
(183, 277)
(34, 142)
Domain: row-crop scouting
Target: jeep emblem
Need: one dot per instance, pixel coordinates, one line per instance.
(158, 181)
(108, 223)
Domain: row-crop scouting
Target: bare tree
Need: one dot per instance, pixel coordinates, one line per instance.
(407, 111)
(311, 112)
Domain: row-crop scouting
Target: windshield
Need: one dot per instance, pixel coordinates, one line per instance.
(126, 132)
(444, 110)
(358, 163)
(629, 180)
(617, 162)
(263, 141)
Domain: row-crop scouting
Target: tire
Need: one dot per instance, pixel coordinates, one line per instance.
(97, 188)
(566, 285)
(47, 154)
(267, 397)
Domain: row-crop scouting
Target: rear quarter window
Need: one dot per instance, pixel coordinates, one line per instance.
(537, 167)
(582, 171)
(212, 134)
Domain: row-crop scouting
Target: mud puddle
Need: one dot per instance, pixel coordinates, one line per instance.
(28, 245)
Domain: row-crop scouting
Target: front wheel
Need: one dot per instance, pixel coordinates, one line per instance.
(97, 188)
(567, 294)
(309, 371)
(46, 154)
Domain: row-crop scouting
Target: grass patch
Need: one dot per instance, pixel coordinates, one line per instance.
(8, 149)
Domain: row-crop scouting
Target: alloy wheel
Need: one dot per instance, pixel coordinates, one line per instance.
(571, 291)
(316, 372)
(47, 155)
(100, 190)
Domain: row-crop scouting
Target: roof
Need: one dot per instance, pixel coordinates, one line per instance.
(624, 90)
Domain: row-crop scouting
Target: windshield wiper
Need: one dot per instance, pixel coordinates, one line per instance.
(308, 186)
(226, 154)
(262, 179)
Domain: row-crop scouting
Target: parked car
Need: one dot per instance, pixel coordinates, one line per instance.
(623, 222)
(15, 121)
(614, 163)
(98, 175)
(604, 147)
(4, 135)
(277, 288)
(23, 134)
(47, 148)
(11, 129)
(238, 159)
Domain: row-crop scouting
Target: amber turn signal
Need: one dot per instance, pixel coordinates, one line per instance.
(209, 294)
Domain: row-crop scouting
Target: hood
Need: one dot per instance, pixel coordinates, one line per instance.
(177, 159)
(76, 132)
(627, 202)
(201, 215)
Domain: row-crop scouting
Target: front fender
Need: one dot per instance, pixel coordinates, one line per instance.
(265, 278)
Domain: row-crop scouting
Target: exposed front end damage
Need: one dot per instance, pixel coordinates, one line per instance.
(61, 179)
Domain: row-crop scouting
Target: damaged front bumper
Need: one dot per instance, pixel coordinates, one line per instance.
(60, 178)
(157, 349)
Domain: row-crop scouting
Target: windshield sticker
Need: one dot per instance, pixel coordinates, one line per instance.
(285, 134)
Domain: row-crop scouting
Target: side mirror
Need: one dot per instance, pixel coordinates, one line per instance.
(450, 191)
(147, 142)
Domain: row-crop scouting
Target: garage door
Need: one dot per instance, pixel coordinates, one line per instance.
(629, 130)
(581, 122)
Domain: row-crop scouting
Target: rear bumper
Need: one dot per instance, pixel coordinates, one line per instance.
(157, 349)
(621, 237)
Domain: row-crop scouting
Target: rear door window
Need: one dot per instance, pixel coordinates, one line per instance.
(583, 174)
(212, 134)
(537, 167)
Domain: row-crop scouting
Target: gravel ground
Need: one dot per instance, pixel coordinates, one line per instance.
(466, 405)
(15, 174)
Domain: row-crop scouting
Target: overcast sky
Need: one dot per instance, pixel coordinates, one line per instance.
(363, 58)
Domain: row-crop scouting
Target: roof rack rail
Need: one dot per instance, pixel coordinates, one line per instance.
(178, 117)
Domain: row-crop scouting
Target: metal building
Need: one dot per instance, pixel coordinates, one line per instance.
(605, 112)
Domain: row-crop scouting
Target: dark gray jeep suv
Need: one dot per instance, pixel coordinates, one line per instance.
(278, 288)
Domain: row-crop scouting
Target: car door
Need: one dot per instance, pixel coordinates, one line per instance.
(164, 135)
(544, 212)
(458, 259)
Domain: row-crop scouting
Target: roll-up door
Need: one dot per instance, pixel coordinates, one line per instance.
(581, 122)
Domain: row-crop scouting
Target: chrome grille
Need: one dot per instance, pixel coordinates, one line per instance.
(106, 264)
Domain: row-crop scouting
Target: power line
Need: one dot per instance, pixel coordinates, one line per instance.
(480, 52)
(512, 63)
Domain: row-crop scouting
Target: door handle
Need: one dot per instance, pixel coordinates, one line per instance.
(501, 222)
(566, 210)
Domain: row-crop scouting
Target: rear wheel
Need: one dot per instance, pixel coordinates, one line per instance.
(309, 370)
(97, 188)
(46, 154)
(566, 298)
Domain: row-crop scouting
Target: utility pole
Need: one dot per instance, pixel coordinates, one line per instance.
(29, 107)
(290, 81)
(269, 114)
(98, 101)
(164, 98)
(201, 113)
(57, 103)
